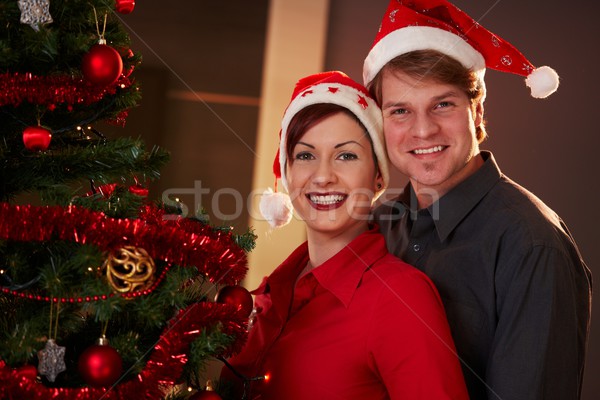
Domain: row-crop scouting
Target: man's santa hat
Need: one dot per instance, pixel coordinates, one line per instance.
(410, 25)
(332, 87)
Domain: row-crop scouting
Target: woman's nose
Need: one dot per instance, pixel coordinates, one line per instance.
(324, 174)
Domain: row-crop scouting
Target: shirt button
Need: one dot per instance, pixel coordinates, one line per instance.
(416, 247)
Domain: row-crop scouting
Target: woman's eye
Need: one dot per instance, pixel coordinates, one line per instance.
(304, 155)
(348, 156)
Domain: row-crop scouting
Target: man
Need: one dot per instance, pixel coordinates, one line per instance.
(516, 291)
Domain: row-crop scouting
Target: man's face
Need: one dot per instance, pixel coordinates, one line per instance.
(429, 131)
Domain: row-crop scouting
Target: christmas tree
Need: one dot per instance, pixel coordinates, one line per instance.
(103, 292)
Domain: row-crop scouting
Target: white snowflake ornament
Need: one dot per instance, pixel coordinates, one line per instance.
(51, 360)
(35, 12)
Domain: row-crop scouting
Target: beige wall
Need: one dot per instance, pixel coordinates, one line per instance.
(292, 51)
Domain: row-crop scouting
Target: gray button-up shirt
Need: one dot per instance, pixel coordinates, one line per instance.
(516, 290)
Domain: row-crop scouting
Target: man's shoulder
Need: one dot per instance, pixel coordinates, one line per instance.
(513, 199)
(517, 213)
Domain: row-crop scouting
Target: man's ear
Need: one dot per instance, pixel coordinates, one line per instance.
(478, 117)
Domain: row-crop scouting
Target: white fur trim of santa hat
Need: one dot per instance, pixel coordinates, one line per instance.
(414, 38)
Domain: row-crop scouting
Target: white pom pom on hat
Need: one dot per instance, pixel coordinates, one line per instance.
(440, 25)
(276, 208)
(543, 81)
(332, 87)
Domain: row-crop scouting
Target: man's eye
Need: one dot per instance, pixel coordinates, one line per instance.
(399, 111)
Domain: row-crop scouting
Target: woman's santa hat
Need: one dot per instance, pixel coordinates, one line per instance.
(410, 25)
(332, 87)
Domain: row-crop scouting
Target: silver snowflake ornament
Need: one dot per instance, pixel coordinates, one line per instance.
(35, 12)
(51, 360)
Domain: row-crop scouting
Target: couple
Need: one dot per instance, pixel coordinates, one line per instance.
(491, 300)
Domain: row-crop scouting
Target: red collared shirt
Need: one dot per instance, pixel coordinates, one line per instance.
(363, 325)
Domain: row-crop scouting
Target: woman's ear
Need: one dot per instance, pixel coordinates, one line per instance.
(378, 182)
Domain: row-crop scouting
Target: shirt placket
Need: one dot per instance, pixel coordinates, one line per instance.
(420, 234)
(303, 293)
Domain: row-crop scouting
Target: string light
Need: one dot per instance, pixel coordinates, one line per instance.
(247, 380)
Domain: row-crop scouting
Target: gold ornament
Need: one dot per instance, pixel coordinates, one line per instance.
(130, 270)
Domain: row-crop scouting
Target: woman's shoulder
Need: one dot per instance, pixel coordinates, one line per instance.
(392, 267)
(392, 273)
(404, 296)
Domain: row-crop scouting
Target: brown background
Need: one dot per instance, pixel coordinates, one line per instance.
(549, 146)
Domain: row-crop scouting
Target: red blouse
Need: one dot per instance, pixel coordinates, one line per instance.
(363, 325)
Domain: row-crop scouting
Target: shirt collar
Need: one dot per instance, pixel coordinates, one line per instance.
(342, 273)
(448, 211)
(280, 283)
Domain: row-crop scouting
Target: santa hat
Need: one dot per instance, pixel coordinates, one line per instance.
(439, 25)
(333, 87)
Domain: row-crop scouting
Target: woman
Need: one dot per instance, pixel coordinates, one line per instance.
(341, 318)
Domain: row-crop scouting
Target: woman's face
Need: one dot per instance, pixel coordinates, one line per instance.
(332, 176)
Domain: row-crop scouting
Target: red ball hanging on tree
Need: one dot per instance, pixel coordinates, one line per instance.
(28, 371)
(102, 65)
(125, 6)
(36, 138)
(205, 395)
(237, 296)
(100, 365)
(138, 190)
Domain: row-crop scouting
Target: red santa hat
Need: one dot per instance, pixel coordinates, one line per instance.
(332, 87)
(410, 25)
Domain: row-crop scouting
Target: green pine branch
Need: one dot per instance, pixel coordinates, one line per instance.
(104, 163)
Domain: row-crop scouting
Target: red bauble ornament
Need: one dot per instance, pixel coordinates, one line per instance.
(237, 296)
(100, 365)
(205, 395)
(36, 138)
(28, 371)
(138, 190)
(102, 65)
(125, 6)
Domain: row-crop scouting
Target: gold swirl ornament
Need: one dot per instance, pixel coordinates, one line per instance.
(130, 270)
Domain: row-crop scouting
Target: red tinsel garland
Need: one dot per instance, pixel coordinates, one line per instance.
(177, 241)
(162, 369)
(52, 90)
